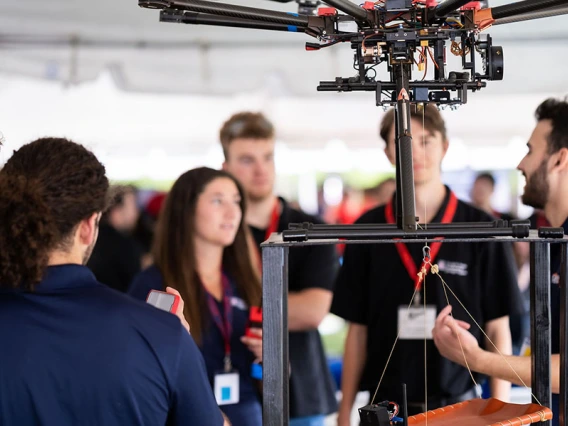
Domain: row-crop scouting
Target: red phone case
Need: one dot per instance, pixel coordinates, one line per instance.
(175, 303)
(255, 321)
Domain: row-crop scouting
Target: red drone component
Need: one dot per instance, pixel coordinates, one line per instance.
(369, 5)
(472, 5)
(327, 11)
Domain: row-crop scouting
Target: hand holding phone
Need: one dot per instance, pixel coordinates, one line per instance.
(170, 301)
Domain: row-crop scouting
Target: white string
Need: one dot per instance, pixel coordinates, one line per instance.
(435, 270)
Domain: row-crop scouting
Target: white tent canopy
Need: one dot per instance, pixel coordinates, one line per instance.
(150, 97)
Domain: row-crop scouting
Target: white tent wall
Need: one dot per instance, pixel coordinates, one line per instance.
(149, 97)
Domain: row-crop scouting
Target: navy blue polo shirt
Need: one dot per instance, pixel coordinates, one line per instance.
(248, 411)
(75, 352)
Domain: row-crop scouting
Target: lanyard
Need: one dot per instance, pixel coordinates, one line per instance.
(272, 227)
(274, 220)
(223, 322)
(403, 252)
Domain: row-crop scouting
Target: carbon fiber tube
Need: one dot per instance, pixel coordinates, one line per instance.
(404, 150)
(448, 6)
(196, 18)
(533, 15)
(242, 12)
(523, 7)
(351, 9)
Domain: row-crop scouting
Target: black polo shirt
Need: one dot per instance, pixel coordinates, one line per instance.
(312, 390)
(373, 283)
(75, 352)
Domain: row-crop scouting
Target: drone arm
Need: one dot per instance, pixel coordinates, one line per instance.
(523, 7)
(533, 15)
(197, 18)
(349, 8)
(229, 10)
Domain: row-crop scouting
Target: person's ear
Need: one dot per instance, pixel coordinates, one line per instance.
(560, 160)
(390, 152)
(225, 166)
(87, 232)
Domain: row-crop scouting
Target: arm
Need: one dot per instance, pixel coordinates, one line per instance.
(354, 359)
(500, 334)
(307, 308)
(446, 332)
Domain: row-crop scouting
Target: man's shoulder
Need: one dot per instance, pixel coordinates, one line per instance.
(298, 216)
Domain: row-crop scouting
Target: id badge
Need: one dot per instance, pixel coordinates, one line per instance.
(226, 388)
(416, 322)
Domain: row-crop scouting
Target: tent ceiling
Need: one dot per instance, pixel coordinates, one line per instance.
(74, 40)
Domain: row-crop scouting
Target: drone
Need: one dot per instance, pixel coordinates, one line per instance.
(401, 35)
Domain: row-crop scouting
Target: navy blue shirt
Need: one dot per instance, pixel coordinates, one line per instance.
(248, 411)
(75, 352)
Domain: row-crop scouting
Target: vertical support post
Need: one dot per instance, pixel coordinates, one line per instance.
(406, 207)
(540, 322)
(563, 337)
(275, 376)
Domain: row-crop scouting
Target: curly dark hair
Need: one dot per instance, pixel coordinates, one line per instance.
(46, 188)
(555, 110)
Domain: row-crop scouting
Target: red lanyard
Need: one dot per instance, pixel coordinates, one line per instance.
(223, 322)
(272, 227)
(403, 252)
(274, 220)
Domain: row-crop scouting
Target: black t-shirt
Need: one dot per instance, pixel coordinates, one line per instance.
(312, 390)
(116, 258)
(373, 283)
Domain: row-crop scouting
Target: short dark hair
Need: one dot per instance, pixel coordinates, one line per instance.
(433, 120)
(555, 110)
(46, 189)
(487, 176)
(245, 125)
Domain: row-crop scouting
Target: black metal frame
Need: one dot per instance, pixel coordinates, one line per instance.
(275, 328)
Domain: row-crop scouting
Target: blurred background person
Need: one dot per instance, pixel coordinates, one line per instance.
(201, 250)
(116, 258)
(248, 145)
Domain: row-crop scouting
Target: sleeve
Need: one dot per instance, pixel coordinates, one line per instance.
(501, 294)
(193, 402)
(142, 284)
(351, 293)
(319, 268)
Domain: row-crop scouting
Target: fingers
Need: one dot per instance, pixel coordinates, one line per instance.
(180, 308)
(254, 345)
(463, 324)
(256, 331)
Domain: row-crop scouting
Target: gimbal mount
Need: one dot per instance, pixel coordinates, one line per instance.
(399, 34)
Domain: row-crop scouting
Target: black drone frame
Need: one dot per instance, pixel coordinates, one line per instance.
(377, 40)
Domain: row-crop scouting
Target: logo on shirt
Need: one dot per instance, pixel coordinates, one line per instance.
(237, 302)
(453, 268)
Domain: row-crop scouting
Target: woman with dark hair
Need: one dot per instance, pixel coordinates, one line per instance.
(75, 351)
(201, 249)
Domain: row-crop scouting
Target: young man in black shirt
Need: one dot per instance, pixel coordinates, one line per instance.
(248, 145)
(545, 168)
(377, 281)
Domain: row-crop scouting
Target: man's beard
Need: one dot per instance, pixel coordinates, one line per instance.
(536, 189)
